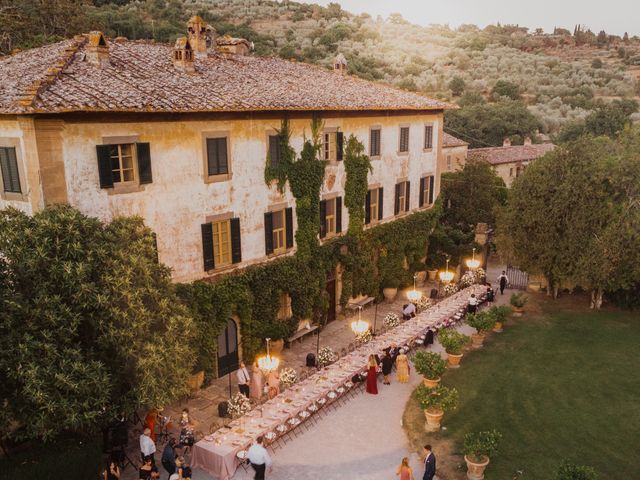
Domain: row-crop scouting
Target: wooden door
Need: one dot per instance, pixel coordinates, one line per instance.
(228, 360)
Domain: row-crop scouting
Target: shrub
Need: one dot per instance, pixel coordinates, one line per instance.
(452, 340)
(429, 364)
(438, 398)
(501, 313)
(518, 300)
(481, 444)
(569, 471)
(481, 321)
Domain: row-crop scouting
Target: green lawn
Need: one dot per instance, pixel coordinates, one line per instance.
(560, 384)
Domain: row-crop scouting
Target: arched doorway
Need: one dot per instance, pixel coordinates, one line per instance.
(228, 349)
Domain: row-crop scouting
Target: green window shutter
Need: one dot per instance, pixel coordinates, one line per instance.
(323, 218)
(380, 203)
(144, 162)
(207, 246)
(421, 193)
(9, 169)
(339, 145)
(288, 213)
(268, 233)
(431, 184)
(407, 196)
(236, 244)
(339, 215)
(396, 204)
(274, 149)
(104, 166)
(367, 208)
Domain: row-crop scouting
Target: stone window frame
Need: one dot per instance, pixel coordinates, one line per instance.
(218, 218)
(400, 127)
(374, 220)
(224, 177)
(269, 132)
(280, 208)
(403, 210)
(433, 131)
(330, 131)
(133, 185)
(23, 196)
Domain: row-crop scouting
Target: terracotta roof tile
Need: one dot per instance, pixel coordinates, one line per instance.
(515, 153)
(140, 77)
(451, 141)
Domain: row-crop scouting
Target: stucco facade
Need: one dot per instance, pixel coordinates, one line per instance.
(58, 157)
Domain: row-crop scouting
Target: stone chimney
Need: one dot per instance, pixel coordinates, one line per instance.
(340, 64)
(202, 37)
(506, 142)
(97, 49)
(527, 140)
(183, 55)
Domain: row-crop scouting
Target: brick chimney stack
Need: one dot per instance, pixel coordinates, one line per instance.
(202, 37)
(340, 64)
(183, 55)
(506, 142)
(97, 49)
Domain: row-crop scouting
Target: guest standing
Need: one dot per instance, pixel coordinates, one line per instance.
(372, 376)
(145, 470)
(429, 463)
(387, 365)
(257, 380)
(259, 458)
(182, 469)
(472, 306)
(402, 368)
(150, 422)
(273, 382)
(186, 430)
(490, 294)
(404, 470)
(169, 456)
(112, 472)
(243, 379)
(503, 280)
(147, 445)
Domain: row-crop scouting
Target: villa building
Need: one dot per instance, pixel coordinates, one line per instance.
(181, 134)
(454, 153)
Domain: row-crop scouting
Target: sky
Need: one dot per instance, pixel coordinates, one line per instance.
(614, 16)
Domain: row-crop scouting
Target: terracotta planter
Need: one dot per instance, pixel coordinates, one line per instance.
(429, 383)
(454, 360)
(276, 346)
(434, 417)
(432, 274)
(196, 380)
(475, 470)
(420, 278)
(390, 294)
(518, 312)
(497, 327)
(477, 339)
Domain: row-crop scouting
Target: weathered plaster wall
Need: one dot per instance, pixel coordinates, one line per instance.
(503, 170)
(458, 158)
(179, 201)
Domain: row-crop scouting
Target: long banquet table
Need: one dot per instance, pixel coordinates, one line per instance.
(217, 454)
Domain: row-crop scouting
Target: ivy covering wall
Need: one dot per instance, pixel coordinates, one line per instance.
(371, 259)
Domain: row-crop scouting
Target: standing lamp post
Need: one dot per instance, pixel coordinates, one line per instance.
(359, 326)
(414, 295)
(473, 263)
(266, 362)
(446, 276)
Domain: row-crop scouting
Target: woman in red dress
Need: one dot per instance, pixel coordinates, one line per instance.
(372, 376)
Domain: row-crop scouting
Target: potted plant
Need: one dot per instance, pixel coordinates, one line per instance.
(390, 285)
(431, 366)
(483, 322)
(432, 272)
(478, 448)
(518, 301)
(569, 471)
(277, 331)
(501, 315)
(435, 402)
(453, 343)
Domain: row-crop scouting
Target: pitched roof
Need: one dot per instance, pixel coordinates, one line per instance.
(140, 77)
(451, 141)
(515, 153)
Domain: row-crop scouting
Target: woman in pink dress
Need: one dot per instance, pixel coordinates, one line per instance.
(372, 376)
(257, 381)
(404, 470)
(273, 381)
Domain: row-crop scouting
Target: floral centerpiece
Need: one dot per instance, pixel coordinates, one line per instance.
(472, 277)
(364, 337)
(239, 405)
(449, 289)
(424, 303)
(391, 320)
(326, 356)
(288, 376)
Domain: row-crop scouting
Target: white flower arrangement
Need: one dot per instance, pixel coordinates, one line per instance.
(364, 337)
(239, 405)
(449, 289)
(472, 277)
(326, 356)
(424, 303)
(288, 376)
(391, 320)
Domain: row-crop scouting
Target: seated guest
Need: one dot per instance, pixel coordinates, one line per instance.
(472, 306)
(408, 311)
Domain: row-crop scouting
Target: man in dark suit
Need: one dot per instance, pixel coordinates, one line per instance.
(429, 463)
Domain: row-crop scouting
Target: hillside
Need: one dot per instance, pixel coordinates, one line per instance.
(560, 76)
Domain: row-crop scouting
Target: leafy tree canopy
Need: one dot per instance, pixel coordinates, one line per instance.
(505, 88)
